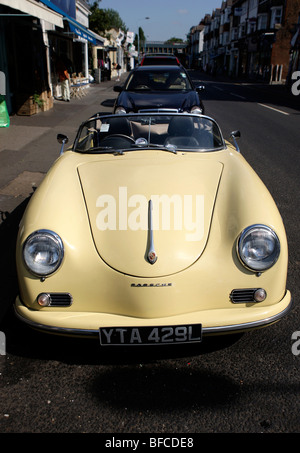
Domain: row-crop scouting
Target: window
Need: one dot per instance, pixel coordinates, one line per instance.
(252, 4)
(234, 34)
(225, 38)
(227, 14)
(242, 29)
(276, 16)
(262, 22)
(251, 26)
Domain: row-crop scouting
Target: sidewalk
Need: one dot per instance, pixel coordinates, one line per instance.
(28, 147)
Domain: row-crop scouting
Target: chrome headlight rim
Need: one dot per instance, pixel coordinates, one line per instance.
(196, 109)
(120, 111)
(58, 243)
(259, 265)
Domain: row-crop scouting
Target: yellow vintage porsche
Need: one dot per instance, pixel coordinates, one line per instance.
(151, 229)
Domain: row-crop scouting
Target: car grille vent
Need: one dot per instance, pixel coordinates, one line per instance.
(60, 299)
(240, 296)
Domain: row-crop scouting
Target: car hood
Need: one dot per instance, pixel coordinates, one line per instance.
(154, 100)
(117, 195)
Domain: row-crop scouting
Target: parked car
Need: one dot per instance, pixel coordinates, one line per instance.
(154, 230)
(157, 88)
(159, 59)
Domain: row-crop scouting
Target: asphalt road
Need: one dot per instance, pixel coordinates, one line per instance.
(241, 384)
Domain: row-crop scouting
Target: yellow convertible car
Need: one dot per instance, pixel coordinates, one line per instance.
(151, 229)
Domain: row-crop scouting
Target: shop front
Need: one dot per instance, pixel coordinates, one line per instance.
(23, 55)
(33, 35)
(71, 43)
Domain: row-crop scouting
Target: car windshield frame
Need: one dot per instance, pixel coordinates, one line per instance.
(154, 78)
(173, 132)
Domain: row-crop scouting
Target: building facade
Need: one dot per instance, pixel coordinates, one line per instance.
(176, 48)
(196, 42)
(256, 39)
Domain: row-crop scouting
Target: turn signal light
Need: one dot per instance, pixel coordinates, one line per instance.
(260, 295)
(44, 300)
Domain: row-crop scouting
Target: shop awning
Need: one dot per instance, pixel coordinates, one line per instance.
(83, 32)
(99, 40)
(35, 9)
(76, 27)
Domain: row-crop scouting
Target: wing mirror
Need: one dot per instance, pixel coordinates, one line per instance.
(235, 135)
(200, 88)
(62, 139)
(118, 88)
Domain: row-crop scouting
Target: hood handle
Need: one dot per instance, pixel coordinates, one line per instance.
(151, 255)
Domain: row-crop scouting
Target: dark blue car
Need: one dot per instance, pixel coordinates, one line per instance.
(158, 88)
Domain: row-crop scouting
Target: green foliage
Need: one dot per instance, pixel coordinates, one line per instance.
(102, 20)
(175, 40)
(141, 36)
(37, 100)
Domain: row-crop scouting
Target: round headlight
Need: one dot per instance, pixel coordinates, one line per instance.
(197, 110)
(258, 248)
(120, 110)
(43, 252)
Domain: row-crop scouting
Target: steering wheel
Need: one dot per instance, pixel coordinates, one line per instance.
(114, 138)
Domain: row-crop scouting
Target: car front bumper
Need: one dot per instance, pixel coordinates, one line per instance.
(214, 322)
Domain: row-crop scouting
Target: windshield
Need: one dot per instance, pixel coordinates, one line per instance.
(158, 80)
(171, 132)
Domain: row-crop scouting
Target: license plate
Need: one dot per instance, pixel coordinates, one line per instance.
(156, 335)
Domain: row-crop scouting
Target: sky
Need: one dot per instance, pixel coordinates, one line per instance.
(167, 18)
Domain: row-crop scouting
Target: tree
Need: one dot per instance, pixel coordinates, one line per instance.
(102, 20)
(141, 36)
(174, 40)
(93, 1)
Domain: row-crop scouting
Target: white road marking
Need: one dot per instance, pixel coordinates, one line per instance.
(263, 105)
(272, 108)
(237, 96)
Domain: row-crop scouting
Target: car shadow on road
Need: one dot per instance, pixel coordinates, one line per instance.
(169, 387)
(8, 277)
(108, 103)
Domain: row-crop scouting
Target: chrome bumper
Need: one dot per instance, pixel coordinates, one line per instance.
(218, 330)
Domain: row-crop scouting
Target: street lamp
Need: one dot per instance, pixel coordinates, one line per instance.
(146, 18)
